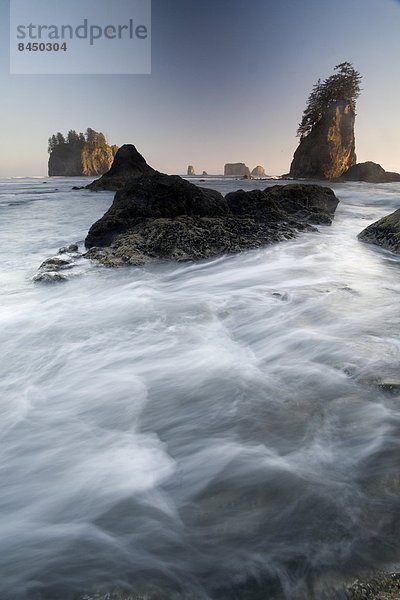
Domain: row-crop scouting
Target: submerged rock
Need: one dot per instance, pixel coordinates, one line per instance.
(166, 217)
(370, 172)
(329, 149)
(384, 233)
(127, 164)
(49, 277)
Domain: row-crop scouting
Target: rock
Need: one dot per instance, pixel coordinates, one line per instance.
(370, 172)
(204, 174)
(384, 233)
(258, 171)
(329, 149)
(236, 170)
(49, 277)
(166, 217)
(127, 164)
(78, 187)
(190, 171)
(70, 248)
(75, 160)
(55, 264)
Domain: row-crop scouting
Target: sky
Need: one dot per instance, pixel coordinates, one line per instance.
(229, 82)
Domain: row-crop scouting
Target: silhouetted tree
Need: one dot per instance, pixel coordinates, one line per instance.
(60, 138)
(342, 85)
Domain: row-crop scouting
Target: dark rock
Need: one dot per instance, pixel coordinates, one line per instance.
(78, 187)
(55, 264)
(329, 149)
(370, 172)
(70, 248)
(166, 217)
(384, 233)
(190, 171)
(127, 164)
(236, 170)
(204, 174)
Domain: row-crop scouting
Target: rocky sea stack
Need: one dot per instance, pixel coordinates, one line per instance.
(158, 216)
(384, 233)
(79, 154)
(236, 170)
(128, 163)
(327, 142)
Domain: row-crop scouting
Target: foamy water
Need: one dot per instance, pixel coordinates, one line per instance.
(196, 426)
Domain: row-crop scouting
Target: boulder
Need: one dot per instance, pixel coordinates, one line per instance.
(127, 164)
(190, 171)
(236, 170)
(370, 172)
(384, 233)
(329, 149)
(166, 217)
(258, 171)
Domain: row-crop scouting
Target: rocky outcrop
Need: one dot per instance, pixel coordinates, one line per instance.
(258, 171)
(384, 233)
(127, 164)
(190, 171)
(236, 170)
(329, 149)
(75, 160)
(166, 217)
(370, 172)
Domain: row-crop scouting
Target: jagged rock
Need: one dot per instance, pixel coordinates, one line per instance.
(329, 149)
(190, 171)
(258, 171)
(236, 170)
(127, 164)
(166, 217)
(384, 233)
(204, 174)
(70, 248)
(74, 160)
(55, 264)
(370, 172)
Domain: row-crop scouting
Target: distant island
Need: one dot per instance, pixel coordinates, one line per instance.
(79, 154)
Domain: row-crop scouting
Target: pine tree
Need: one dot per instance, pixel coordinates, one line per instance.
(342, 85)
(60, 138)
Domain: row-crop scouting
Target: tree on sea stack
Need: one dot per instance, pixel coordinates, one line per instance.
(326, 131)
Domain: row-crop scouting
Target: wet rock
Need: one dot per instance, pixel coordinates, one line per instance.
(78, 187)
(166, 217)
(71, 248)
(49, 277)
(391, 387)
(55, 264)
(383, 586)
(384, 233)
(127, 164)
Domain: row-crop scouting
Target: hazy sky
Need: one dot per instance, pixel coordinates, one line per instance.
(229, 83)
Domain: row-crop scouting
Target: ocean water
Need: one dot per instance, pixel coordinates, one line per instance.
(212, 429)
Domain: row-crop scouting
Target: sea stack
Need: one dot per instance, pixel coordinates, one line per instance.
(236, 170)
(258, 171)
(329, 149)
(128, 164)
(190, 171)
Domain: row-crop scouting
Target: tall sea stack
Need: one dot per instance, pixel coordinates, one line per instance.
(329, 149)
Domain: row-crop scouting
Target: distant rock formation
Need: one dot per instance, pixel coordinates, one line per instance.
(204, 174)
(79, 154)
(236, 170)
(127, 164)
(384, 233)
(258, 171)
(370, 172)
(158, 216)
(190, 171)
(329, 149)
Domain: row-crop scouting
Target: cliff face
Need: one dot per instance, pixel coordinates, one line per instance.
(236, 170)
(74, 160)
(329, 149)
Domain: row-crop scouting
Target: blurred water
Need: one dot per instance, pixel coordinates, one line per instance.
(196, 426)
